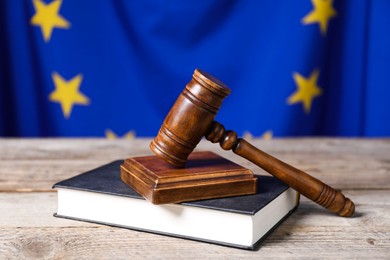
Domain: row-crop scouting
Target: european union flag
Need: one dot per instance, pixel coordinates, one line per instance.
(114, 68)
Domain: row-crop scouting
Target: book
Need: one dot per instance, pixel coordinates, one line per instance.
(101, 197)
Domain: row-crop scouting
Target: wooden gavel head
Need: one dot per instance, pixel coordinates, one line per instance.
(190, 118)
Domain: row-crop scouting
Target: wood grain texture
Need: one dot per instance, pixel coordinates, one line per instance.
(35, 164)
(29, 231)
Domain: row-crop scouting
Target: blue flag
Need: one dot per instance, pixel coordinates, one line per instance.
(114, 68)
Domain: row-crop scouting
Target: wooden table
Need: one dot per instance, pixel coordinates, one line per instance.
(29, 167)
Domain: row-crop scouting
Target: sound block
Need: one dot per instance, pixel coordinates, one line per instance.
(206, 175)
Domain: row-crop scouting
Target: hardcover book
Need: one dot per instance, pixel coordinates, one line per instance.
(100, 196)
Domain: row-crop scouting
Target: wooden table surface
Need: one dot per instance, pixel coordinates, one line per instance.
(28, 230)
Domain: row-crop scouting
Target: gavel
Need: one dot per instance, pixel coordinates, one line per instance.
(192, 117)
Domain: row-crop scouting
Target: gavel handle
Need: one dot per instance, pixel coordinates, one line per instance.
(302, 182)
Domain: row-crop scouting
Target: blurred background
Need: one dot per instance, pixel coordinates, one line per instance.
(114, 68)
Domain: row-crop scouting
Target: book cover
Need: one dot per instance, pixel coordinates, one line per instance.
(100, 196)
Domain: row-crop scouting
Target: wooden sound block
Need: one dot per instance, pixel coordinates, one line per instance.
(206, 175)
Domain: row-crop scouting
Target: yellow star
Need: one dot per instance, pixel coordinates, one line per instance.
(322, 13)
(67, 93)
(267, 135)
(111, 135)
(247, 135)
(307, 90)
(47, 17)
